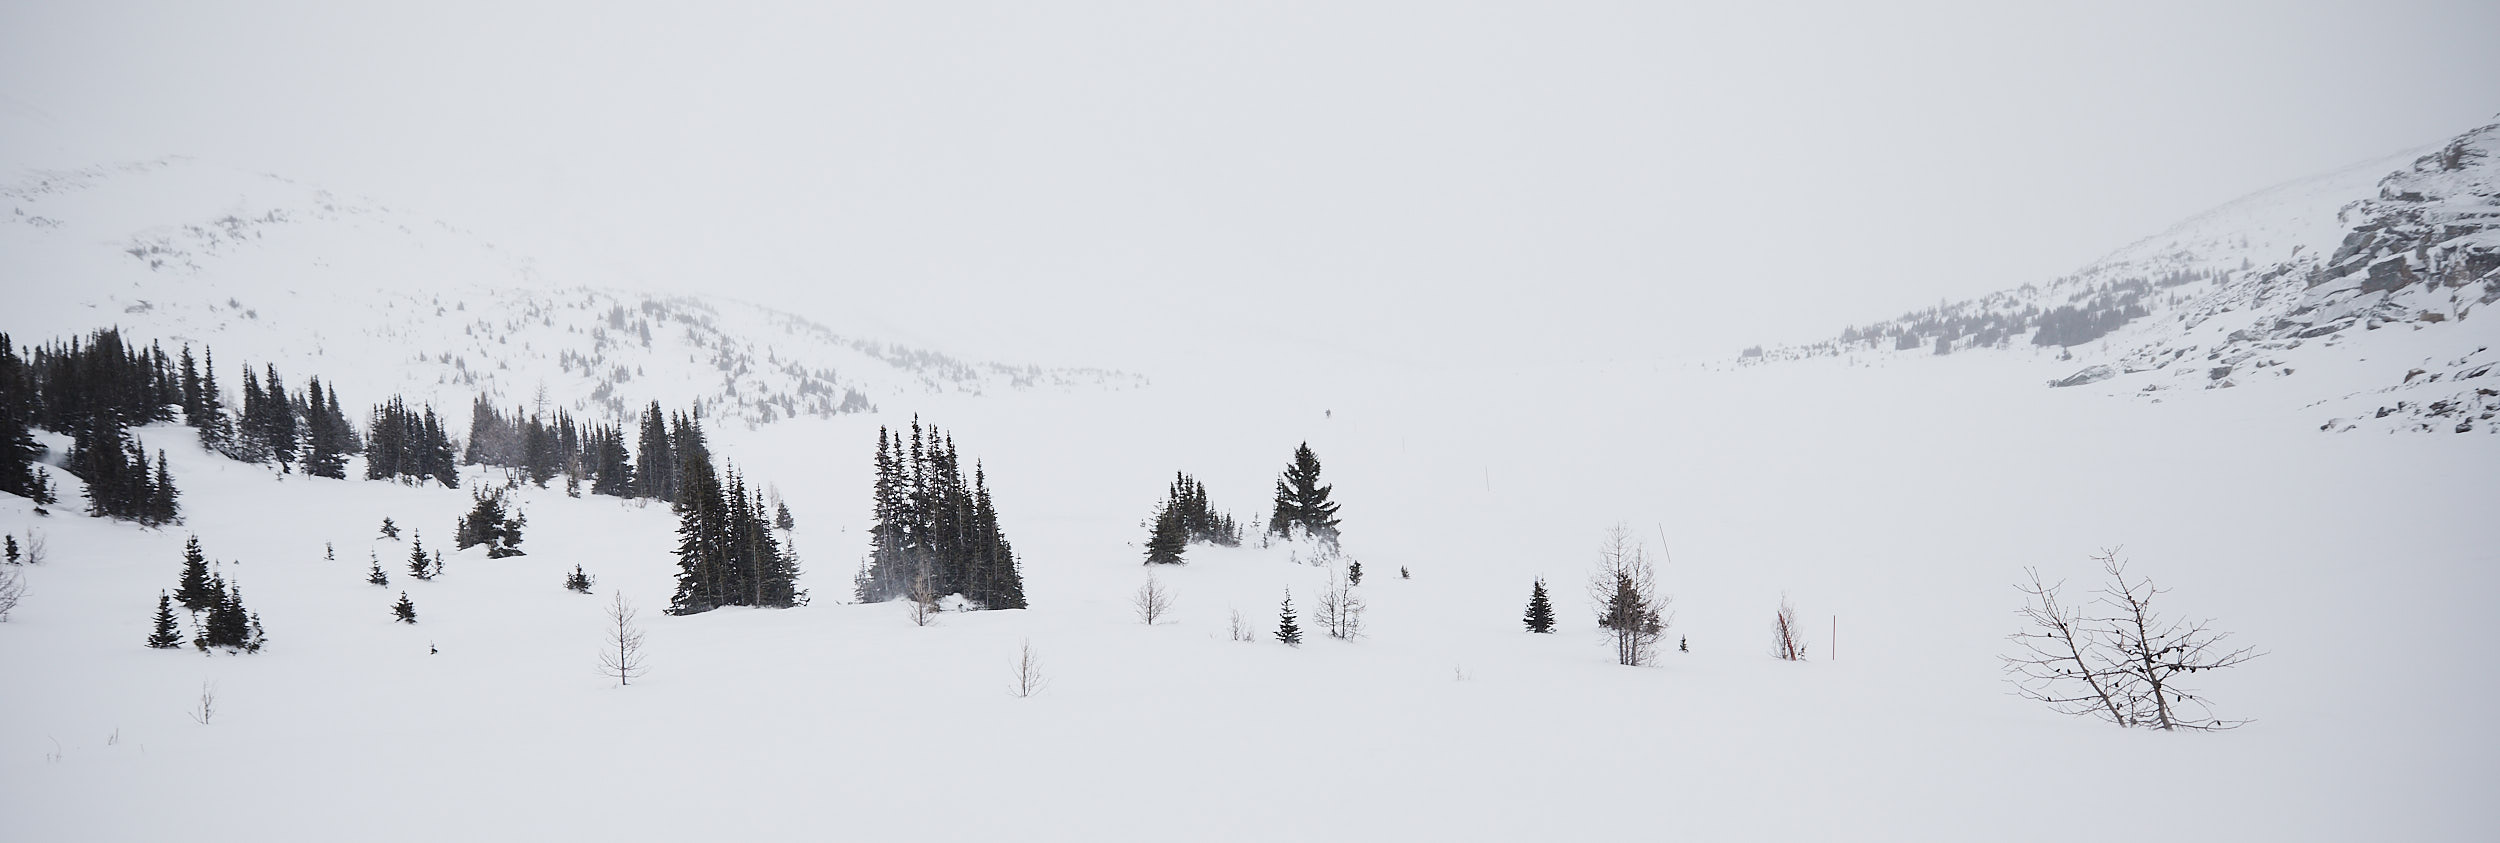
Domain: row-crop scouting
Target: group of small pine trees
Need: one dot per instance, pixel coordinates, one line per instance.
(727, 554)
(94, 389)
(1185, 518)
(218, 615)
(410, 446)
(544, 449)
(491, 523)
(935, 535)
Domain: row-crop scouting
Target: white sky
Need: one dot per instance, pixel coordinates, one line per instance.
(1105, 183)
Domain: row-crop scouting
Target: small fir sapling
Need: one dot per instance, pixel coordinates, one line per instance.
(1287, 631)
(389, 530)
(1540, 616)
(577, 581)
(376, 576)
(404, 611)
(167, 636)
(420, 565)
(1353, 572)
(12, 549)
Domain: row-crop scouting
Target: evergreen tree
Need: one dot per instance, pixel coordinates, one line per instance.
(325, 435)
(389, 529)
(196, 592)
(1168, 539)
(656, 461)
(8, 549)
(1301, 501)
(613, 469)
(781, 517)
(376, 576)
(404, 611)
(1540, 617)
(419, 565)
(1353, 572)
(1287, 630)
(167, 636)
(162, 496)
(577, 581)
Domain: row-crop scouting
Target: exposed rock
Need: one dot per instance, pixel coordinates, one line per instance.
(2090, 374)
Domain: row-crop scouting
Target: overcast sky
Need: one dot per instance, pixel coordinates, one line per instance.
(1104, 182)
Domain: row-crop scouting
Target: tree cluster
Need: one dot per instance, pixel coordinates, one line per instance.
(545, 449)
(727, 554)
(18, 450)
(1624, 587)
(935, 533)
(120, 482)
(227, 624)
(410, 446)
(490, 522)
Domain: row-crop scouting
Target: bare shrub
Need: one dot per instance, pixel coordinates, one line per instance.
(1029, 678)
(1152, 600)
(37, 549)
(205, 712)
(923, 598)
(622, 656)
(12, 589)
(2121, 662)
(1340, 609)
(1788, 642)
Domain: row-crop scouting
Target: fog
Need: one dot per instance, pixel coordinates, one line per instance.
(1121, 183)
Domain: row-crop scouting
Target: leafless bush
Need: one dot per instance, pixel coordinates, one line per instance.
(2121, 663)
(622, 657)
(1340, 609)
(1628, 605)
(923, 599)
(206, 712)
(1029, 678)
(1788, 642)
(1241, 627)
(12, 589)
(1152, 600)
(36, 547)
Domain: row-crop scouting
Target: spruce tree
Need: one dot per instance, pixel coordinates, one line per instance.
(1301, 500)
(1287, 630)
(655, 463)
(781, 517)
(389, 529)
(10, 555)
(419, 565)
(1353, 572)
(167, 636)
(1168, 540)
(376, 576)
(404, 611)
(196, 592)
(577, 581)
(1540, 617)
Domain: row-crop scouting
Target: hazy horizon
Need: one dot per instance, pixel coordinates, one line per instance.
(1099, 184)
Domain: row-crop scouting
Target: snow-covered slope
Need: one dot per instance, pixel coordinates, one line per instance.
(2289, 283)
(1899, 533)
(271, 271)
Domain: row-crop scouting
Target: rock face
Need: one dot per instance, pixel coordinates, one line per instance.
(2230, 292)
(2090, 374)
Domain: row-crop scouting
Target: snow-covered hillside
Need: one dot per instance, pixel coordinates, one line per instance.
(2285, 284)
(271, 271)
(1897, 534)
